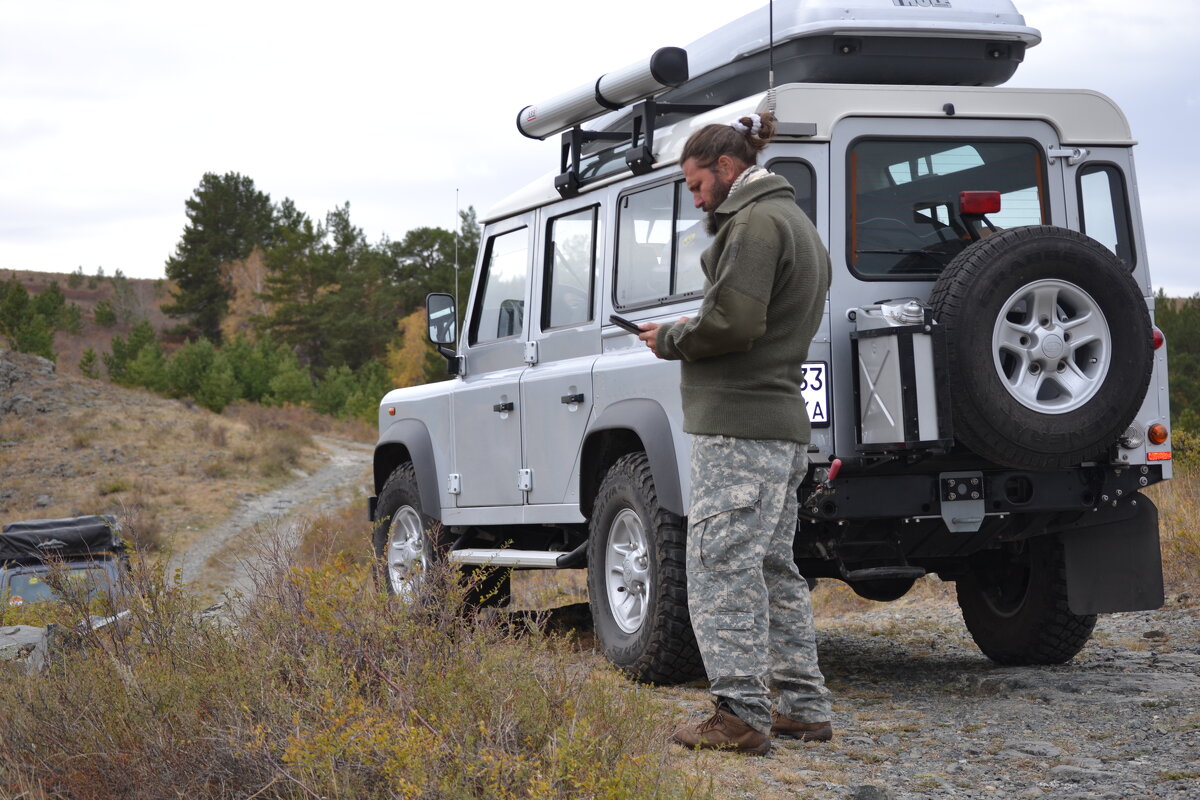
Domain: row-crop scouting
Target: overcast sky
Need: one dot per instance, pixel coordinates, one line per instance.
(110, 112)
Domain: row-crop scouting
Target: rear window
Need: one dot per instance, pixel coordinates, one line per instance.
(905, 218)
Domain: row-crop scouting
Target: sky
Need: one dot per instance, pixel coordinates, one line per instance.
(110, 113)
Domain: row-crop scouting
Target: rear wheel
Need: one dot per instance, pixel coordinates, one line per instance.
(1015, 605)
(407, 543)
(637, 583)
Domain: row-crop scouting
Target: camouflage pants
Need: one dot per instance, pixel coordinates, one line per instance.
(749, 605)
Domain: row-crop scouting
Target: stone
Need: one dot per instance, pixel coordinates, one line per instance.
(1038, 749)
(869, 792)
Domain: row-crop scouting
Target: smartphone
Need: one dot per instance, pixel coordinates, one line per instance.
(621, 322)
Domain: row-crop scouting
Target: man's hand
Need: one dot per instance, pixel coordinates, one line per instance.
(649, 334)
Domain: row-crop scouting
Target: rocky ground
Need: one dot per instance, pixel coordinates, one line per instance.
(920, 713)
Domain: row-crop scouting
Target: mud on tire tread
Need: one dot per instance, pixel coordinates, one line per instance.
(967, 299)
(664, 651)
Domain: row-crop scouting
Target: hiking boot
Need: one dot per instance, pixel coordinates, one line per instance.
(786, 728)
(724, 730)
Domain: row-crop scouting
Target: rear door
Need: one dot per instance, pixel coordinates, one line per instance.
(556, 391)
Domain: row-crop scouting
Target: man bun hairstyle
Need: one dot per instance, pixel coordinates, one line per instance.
(743, 139)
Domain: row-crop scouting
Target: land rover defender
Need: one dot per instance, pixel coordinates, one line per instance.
(987, 390)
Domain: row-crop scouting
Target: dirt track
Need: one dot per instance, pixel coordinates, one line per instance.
(221, 558)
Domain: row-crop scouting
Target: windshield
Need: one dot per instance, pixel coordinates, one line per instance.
(43, 582)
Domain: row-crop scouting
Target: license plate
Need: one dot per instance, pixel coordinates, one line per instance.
(814, 385)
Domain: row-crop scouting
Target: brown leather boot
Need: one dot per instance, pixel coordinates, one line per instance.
(786, 728)
(724, 730)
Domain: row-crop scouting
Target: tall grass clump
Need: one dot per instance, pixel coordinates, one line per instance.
(321, 686)
(1178, 502)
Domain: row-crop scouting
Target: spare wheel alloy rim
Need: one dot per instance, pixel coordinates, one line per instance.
(627, 570)
(1051, 346)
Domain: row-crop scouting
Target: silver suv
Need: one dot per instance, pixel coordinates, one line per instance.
(987, 390)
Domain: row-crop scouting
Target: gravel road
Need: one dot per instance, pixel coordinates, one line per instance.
(221, 559)
(920, 714)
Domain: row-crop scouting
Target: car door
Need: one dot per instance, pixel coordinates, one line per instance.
(556, 391)
(486, 404)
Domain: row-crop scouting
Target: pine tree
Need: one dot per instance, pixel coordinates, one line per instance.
(227, 218)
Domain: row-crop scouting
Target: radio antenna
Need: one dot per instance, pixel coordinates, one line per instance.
(771, 56)
(457, 225)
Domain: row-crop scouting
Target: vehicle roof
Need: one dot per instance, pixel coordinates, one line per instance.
(1082, 117)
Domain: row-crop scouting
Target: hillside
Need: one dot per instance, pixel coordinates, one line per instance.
(72, 445)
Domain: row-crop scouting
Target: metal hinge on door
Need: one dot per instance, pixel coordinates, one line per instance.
(531, 353)
(454, 483)
(1073, 155)
(525, 480)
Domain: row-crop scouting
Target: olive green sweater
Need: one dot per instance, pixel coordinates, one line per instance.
(767, 274)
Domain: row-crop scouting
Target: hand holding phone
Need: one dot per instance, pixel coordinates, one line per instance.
(628, 325)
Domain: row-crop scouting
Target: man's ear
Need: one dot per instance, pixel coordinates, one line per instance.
(727, 168)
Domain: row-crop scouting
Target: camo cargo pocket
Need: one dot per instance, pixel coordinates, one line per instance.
(723, 528)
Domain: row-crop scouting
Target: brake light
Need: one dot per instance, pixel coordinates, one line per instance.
(979, 202)
(1159, 339)
(1157, 433)
(1159, 456)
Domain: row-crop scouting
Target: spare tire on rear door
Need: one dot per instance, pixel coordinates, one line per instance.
(1048, 346)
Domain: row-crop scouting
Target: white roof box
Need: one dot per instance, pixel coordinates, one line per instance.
(923, 42)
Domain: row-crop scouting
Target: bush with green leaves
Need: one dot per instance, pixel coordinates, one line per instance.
(218, 386)
(126, 350)
(320, 685)
(104, 315)
(89, 364)
(148, 369)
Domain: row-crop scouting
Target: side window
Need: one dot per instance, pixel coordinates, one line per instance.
(905, 218)
(660, 238)
(570, 269)
(1104, 210)
(500, 308)
(800, 175)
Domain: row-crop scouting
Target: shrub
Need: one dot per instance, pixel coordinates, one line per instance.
(126, 350)
(188, 366)
(103, 314)
(148, 369)
(318, 685)
(89, 365)
(218, 387)
(34, 335)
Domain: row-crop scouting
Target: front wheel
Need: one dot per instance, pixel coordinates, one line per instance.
(637, 582)
(1015, 606)
(407, 543)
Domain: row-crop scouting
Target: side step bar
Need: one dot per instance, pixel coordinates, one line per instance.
(522, 559)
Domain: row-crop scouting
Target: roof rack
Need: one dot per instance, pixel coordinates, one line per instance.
(640, 155)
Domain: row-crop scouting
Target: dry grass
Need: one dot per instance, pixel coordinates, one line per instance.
(322, 687)
(1178, 502)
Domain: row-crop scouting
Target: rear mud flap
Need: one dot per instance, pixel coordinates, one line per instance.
(1115, 565)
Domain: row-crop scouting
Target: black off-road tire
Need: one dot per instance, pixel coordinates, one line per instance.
(1015, 606)
(662, 648)
(399, 505)
(973, 302)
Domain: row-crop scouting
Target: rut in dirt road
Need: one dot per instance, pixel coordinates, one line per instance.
(221, 560)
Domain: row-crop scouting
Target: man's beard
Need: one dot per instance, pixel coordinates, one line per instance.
(720, 193)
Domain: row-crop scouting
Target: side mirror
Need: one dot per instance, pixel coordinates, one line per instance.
(442, 318)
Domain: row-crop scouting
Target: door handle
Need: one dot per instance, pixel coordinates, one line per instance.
(570, 399)
(501, 408)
